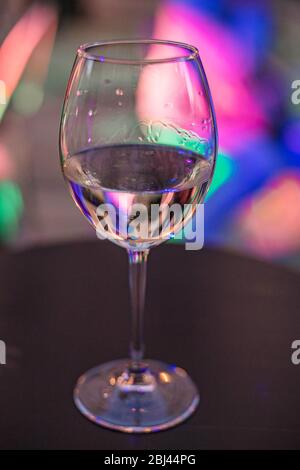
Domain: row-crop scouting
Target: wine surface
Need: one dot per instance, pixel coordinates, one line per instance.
(137, 195)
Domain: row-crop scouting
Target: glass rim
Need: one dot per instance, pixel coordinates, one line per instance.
(84, 51)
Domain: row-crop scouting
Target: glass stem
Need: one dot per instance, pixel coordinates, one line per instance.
(137, 285)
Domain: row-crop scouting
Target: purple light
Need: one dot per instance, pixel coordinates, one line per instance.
(291, 137)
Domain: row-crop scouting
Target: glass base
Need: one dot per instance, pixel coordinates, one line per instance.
(151, 398)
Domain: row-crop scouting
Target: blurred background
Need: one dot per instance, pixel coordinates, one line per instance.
(251, 56)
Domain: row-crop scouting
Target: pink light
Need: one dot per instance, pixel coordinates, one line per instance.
(270, 221)
(21, 41)
(227, 64)
(121, 201)
(168, 97)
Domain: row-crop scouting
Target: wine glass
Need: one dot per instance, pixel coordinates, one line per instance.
(138, 144)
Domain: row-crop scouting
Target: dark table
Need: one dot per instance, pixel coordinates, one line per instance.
(228, 320)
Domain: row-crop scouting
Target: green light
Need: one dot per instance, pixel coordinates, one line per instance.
(2, 110)
(11, 206)
(167, 134)
(223, 171)
(28, 98)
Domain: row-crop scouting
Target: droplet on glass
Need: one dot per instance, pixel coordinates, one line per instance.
(205, 123)
(81, 92)
(120, 103)
(119, 92)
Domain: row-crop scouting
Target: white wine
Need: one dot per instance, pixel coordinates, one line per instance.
(137, 195)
